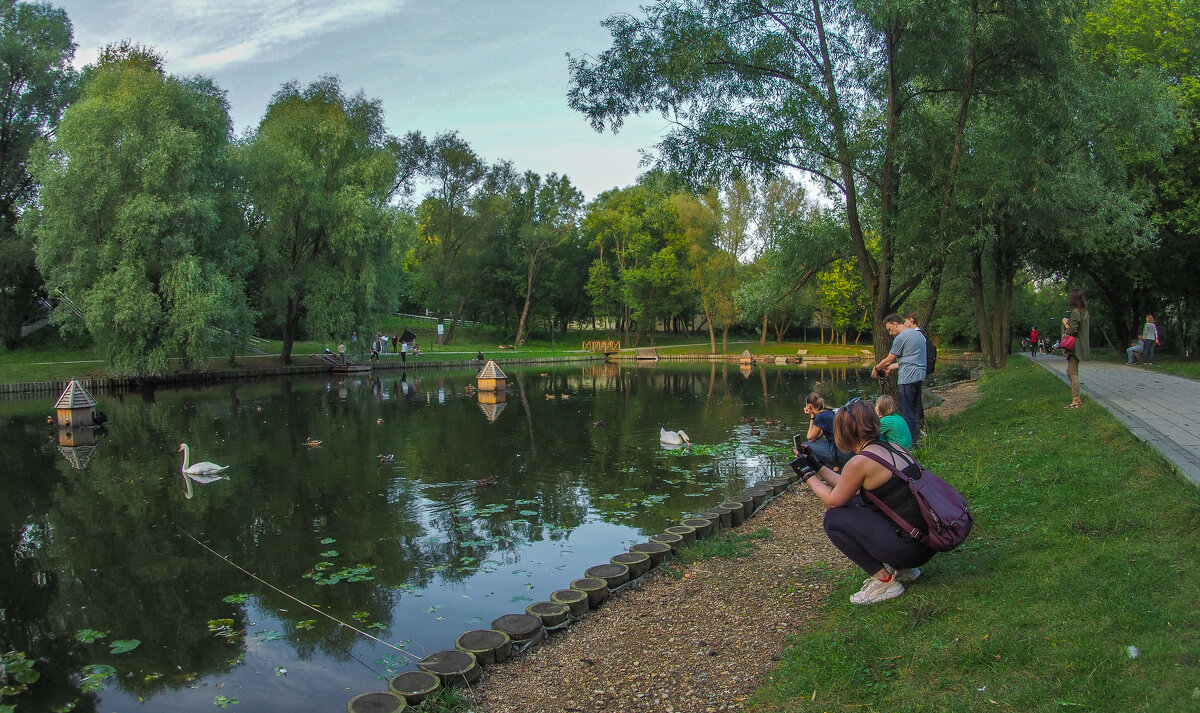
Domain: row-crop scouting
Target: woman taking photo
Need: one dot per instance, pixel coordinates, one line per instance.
(1077, 324)
(819, 436)
(854, 524)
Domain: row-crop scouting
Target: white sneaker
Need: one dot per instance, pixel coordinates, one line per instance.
(875, 591)
(908, 576)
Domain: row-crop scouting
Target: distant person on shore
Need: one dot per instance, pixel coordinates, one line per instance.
(403, 352)
(395, 341)
(910, 321)
(1077, 324)
(908, 357)
(376, 347)
(342, 352)
(819, 436)
(1033, 342)
(857, 526)
(892, 427)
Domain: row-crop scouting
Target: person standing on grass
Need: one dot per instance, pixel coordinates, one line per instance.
(1033, 342)
(1077, 324)
(1149, 340)
(857, 526)
(908, 357)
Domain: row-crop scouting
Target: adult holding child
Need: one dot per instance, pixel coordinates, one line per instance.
(857, 526)
(1076, 325)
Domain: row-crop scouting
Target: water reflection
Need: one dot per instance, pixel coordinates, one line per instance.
(412, 551)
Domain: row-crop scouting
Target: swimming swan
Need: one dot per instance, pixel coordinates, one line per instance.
(201, 468)
(675, 438)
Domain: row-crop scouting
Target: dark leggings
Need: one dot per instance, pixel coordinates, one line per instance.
(870, 539)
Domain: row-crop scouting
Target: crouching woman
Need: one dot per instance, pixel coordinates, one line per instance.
(854, 524)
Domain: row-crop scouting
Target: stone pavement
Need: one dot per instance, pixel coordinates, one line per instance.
(1161, 409)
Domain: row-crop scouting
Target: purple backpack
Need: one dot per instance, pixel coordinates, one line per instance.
(947, 513)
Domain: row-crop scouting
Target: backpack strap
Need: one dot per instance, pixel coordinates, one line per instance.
(896, 518)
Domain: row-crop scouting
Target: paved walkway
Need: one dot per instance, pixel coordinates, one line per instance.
(1160, 409)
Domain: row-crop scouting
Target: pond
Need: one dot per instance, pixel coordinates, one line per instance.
(128, 584)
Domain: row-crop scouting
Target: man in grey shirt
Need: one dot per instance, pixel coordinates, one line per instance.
(907, 355)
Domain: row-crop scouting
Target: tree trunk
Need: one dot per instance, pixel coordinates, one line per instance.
(762, 340)
(291, 324)
(530, 277)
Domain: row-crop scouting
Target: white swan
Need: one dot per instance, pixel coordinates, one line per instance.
(674, 438)
(201, 468)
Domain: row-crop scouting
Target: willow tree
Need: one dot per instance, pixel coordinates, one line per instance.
(321, 173)
(135, 225)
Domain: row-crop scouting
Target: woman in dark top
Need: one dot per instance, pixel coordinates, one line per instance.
(871, 539)
(819, 436)
(1078, 325)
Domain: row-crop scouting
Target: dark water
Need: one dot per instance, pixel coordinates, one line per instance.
(213, 587)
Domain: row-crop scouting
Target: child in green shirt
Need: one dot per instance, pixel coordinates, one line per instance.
(892, 427)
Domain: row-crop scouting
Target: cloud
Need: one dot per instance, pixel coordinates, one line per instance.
(203, 35)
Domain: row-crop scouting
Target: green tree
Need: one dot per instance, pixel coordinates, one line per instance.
(459, 226)
(321, 175)
(36, 78)
(544, 216)
(136, 224)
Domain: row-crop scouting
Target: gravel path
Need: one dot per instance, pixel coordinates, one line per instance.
(699, 643)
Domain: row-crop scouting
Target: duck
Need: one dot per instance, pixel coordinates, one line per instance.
(747, 419)
(312, 442)
(550, 397)
(203, 468)
(599, 424)
(486, 482)
(673, 437)
(386, 458)
(754, 431)
(379, 421)
(49, 420)
(469, 389)
(564, 397)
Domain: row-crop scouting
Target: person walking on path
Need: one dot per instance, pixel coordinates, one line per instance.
(1149, 340)
(1033, 342)
(908, 357)
(1077, 324)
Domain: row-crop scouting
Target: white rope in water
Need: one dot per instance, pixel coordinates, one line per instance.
(306, 605)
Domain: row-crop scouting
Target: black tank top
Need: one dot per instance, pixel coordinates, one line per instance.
(895, 493)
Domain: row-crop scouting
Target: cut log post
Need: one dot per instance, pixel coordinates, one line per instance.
(519, 627)
(687, 532)
(614, 574)
(670, 539)
(488, 645)
(573, 599)
(453, 667)
(551, 613)
(376, 702)
(595, 588)
(415, 686)
(657, 551)
(637, 562)
(737, 513)
(702, 526)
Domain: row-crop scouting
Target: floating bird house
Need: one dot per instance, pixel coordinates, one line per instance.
(75, 407)
(490, 377)
(746, 357)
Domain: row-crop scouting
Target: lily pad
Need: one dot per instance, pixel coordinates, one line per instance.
(123, 646)
(87, 636)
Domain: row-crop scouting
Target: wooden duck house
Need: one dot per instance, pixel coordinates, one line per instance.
(75, 407)
(746, 357)
(490, 378)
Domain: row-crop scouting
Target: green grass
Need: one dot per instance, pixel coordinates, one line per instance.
(1085, 543)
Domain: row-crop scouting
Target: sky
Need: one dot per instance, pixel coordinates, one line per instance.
(493, 70)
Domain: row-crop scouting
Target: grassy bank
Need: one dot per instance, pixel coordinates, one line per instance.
(46, 356)
(1085, 544)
